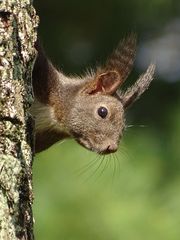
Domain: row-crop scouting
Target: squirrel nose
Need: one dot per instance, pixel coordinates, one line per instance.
(111, 148)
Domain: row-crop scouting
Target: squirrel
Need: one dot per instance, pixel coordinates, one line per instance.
(89, 109)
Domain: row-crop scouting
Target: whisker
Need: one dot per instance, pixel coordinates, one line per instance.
(138, 125)
(129, 126)
(86, 167)
(123, 151)
(104, 167)
(61, 142)
(100, 163)
(96, 170)
(114, 167)
(118, 162)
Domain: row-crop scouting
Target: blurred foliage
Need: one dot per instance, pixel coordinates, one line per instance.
(138, 196)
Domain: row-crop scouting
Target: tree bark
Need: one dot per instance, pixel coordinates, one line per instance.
(18, 23)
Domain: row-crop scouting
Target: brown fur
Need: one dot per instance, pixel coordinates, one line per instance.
(68, 106)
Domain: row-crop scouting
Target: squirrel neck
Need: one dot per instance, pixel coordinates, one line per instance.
(62, 97)
(54, 97)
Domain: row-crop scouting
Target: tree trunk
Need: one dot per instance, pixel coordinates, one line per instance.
(18, 23)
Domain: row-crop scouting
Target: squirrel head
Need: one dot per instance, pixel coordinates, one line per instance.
(97, 122)
(96, 118)
(90, 109)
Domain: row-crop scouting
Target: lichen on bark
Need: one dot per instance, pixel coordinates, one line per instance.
(18, 23)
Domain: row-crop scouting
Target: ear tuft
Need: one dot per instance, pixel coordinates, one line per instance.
(140, 86)
(122, 59)
(116, 69)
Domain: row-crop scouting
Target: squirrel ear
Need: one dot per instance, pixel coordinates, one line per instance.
(106, 83)
(116, 69)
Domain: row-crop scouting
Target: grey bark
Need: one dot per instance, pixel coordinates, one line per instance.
(18, 23)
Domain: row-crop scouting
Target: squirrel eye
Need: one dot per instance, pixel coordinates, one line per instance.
(102, 112)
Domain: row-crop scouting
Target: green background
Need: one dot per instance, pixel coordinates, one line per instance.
(134, 194)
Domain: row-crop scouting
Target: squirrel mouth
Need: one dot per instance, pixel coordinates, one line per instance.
(86, 143)
(83, 141)
(107, 150)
